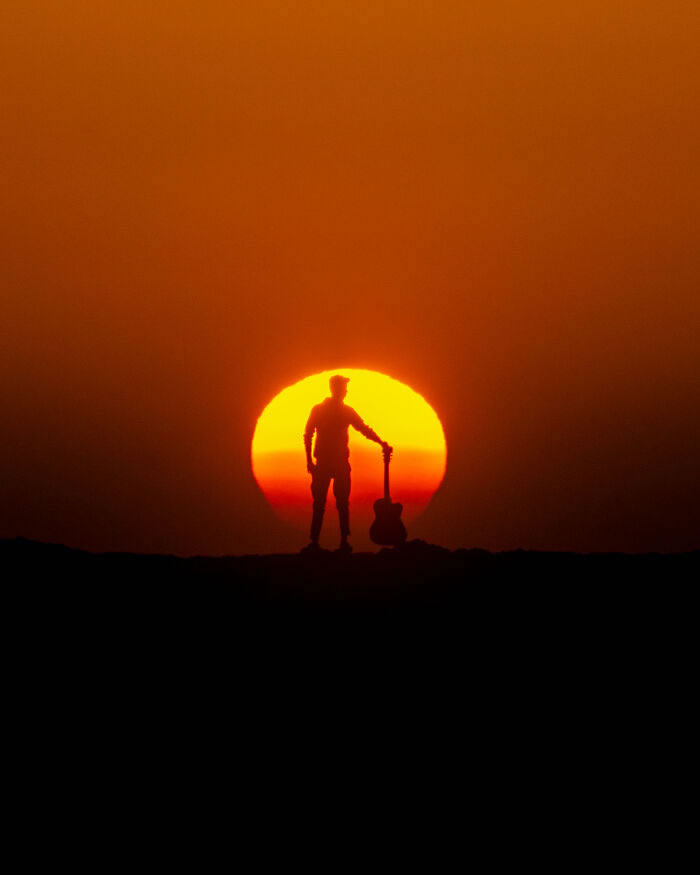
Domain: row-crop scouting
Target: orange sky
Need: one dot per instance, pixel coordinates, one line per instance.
(203, 203)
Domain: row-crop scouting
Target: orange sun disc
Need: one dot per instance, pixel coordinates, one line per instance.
(396, 412)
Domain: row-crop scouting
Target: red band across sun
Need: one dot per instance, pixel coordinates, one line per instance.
(399, 415)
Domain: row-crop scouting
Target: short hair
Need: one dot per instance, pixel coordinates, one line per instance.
(337, 380)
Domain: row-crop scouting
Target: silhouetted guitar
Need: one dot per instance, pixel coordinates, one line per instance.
(387, 528)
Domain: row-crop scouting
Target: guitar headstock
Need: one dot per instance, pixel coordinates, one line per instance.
(387, 451)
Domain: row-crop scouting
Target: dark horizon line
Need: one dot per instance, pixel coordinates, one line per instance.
(411, 546)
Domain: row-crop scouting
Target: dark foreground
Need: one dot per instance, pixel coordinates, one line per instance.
(419, 574)
(501, 622)
(513, 676)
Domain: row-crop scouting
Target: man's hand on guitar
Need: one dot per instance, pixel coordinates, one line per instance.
(386, 448)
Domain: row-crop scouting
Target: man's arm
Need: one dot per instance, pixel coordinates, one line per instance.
(308, 438)
(357, 422)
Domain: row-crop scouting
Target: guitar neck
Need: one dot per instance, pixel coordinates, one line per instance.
(386, 480)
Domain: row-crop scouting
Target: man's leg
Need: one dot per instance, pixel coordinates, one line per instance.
(319, 490)
(341, 491)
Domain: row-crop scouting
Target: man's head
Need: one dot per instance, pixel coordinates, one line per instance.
(339, 386)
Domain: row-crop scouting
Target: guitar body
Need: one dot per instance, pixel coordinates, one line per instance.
(388, 528)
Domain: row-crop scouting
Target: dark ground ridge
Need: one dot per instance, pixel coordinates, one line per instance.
(416, 572)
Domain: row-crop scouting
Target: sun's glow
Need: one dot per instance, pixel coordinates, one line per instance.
(395, 411)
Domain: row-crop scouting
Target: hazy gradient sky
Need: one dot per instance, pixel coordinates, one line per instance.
(496, 203)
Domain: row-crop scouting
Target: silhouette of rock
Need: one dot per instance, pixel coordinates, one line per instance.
(418, 547)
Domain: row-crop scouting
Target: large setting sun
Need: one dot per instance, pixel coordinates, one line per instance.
(396, 412)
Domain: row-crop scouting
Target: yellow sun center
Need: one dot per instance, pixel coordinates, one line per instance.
(396, 412)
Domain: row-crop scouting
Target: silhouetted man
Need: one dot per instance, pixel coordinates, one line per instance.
(330, 420)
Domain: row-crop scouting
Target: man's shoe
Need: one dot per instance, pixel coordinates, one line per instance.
(312, 547)
(344, 547)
